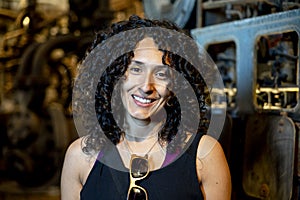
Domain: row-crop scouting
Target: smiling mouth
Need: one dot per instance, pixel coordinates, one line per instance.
(143, 100)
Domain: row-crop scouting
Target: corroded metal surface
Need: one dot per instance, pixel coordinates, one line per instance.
(269, 157)
(244, 33)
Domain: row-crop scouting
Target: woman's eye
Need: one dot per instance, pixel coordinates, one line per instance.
(135, 70)
(162, 75)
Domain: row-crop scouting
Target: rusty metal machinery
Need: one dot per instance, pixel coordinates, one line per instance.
(178, 11)
(37, 65)
(210, 12)
(268, 164)
(37, 127)
(259, 61)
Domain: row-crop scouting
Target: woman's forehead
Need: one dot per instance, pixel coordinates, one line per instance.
(147, 51)
(146, 43)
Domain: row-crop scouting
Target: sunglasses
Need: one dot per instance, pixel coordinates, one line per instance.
(138, 170)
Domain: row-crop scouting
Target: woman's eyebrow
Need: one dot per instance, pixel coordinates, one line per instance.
(140, 63)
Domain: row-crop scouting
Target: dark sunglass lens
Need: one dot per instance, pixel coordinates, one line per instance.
(137, 194)
(139, 167)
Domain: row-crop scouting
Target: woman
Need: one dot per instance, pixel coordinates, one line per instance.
(165, 159)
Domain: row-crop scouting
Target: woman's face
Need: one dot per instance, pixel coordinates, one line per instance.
(146, 83)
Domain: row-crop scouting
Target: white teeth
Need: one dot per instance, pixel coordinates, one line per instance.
(142, 100)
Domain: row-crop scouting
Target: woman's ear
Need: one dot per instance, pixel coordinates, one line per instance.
(169, 99)
(171, 83)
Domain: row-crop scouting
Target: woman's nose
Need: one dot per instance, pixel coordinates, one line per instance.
(148, 86)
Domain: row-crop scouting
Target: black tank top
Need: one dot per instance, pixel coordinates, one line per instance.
(176, 181)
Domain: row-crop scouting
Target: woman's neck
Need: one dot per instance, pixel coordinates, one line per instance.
(139, 130)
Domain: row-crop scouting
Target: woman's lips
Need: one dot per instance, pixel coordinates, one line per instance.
(142, 101)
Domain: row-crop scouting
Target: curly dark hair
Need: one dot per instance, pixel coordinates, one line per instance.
(116, 70)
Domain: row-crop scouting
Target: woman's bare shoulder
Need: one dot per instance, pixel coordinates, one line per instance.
(78, 161)
(207, 145)
(212, 169)
(75, 146)
(75, 152)
(76, 168)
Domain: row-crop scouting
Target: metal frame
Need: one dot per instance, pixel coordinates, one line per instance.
(244, 33)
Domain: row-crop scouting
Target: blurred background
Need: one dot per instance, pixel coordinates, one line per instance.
(254, 43)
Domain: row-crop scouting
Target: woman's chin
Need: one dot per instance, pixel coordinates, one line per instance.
(141, 117)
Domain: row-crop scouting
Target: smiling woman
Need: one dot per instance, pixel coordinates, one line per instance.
(150, 105)
(146, 85)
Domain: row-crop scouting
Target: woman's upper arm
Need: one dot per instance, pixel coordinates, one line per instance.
(70, 178)
(213, 170)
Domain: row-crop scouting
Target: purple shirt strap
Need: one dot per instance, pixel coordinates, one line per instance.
(170, 157)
